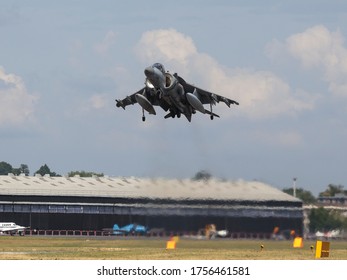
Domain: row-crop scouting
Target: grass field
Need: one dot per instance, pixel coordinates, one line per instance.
(67, 248)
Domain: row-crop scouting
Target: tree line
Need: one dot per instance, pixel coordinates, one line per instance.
(6, 168)
(306, 196)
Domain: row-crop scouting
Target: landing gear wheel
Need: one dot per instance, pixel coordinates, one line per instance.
(143, 115)
(211, 117)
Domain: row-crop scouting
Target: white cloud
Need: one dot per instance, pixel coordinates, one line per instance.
(16, 104)
(107, 42)
(260, 93)
(165, 45)
(98, 101)
(317, 47)
(93, 103)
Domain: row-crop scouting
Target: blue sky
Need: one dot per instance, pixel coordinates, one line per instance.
(63, 63)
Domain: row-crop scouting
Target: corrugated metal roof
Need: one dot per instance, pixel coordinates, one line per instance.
(131, 187)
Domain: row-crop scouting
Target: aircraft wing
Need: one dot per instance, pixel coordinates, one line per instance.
(129, 100)
(204, 96)
(149, 93)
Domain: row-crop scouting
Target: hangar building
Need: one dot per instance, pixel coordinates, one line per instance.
(69, 203)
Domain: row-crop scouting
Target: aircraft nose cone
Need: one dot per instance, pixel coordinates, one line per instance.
(149, 71)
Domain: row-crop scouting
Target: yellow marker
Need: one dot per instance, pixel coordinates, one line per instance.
(322, 249)
(298, 243)
(171, 244)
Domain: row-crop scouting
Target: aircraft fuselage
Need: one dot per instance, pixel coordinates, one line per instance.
(155, 77)
(168, 86)
(11, 228)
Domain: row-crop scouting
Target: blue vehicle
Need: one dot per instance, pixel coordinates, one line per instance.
(129, 229)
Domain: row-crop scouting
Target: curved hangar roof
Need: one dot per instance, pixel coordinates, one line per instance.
(131, 187)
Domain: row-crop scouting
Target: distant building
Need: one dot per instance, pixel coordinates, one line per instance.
(44, 202)
(339, 199)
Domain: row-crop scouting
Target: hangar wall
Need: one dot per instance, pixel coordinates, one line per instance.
(94, 204)
(45, 221)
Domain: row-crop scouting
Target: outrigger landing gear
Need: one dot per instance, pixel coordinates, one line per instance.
(212, 115)
(143, 115)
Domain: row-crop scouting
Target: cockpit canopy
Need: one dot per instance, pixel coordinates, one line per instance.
(159, 66)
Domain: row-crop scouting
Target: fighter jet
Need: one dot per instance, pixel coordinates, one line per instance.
(173, 94)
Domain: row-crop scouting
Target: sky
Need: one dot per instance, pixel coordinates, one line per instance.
(63, 64)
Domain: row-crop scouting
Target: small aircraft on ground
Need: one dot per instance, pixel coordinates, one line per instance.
(172, 93)
(12, 228)
(128, 229)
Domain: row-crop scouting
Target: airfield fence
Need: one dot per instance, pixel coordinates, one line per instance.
(157, 234)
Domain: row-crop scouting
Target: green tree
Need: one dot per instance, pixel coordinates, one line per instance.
(23, 169)
(323, 220)
(5, 168)
(332, 190)
(44, 169)
(202, 175)
(84, 174)
(306, 196)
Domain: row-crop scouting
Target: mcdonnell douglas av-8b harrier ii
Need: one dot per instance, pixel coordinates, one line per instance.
(173, 94)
